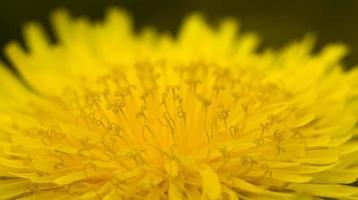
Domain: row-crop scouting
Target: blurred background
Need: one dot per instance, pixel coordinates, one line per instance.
(277, 22)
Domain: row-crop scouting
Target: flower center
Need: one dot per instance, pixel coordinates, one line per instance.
(157, 120)
(166, 109)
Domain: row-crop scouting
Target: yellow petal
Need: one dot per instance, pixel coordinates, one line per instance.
(321, 157)
(325, 190)
(174, 192)
(244, 185)
(11, 188)
(112, 195)
(337, 176)
(289, 176)
(55, 195)
(36, 38)
(211, 183)
(12, 92)
(61, 21)
(193, 193)
(64, 180)
(172, 168)
(230, 194)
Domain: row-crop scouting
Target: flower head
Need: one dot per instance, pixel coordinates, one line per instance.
(107, 113)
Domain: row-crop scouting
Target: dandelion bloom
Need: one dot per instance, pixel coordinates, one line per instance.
(108, 113)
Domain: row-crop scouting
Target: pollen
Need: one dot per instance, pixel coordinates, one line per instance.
(106, 112)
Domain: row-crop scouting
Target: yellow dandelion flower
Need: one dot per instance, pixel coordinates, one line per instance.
(108, 113)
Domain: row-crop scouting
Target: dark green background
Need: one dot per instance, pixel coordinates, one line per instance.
(277, 22)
